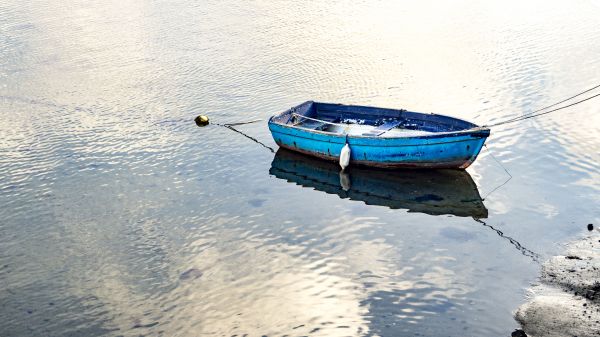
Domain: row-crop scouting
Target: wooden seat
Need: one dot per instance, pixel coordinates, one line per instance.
(383, 128)
(314, 125)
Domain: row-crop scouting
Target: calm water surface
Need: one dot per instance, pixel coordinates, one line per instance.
(120, 217)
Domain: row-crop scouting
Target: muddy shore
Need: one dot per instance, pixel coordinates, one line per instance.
(566, 301)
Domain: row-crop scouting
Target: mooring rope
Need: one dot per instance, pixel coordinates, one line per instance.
(532, 114)
(230, 126)
(539, 112)
(242, 123)
(505, 170)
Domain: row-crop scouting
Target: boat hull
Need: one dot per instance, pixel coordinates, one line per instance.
(455, 150)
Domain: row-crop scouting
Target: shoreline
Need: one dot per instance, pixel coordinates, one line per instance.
(566, 301)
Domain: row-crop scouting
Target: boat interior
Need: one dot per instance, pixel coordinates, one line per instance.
(368, 121)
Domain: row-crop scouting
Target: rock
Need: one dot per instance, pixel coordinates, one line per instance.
(191, 274)
(518, 333)
(590, 227)
(567, 301)
(578, 270)
(556, 313)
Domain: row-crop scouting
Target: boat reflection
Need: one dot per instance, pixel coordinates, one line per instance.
(434, 192)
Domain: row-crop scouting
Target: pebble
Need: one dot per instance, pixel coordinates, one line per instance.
(518, 333)
(191, 274)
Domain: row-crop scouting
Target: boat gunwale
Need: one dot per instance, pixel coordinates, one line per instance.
(433, 135)
(396, 145)
(474, 129)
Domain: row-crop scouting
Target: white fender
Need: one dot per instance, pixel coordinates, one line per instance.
(345, 156)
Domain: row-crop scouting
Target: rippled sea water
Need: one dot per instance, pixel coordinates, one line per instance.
(120, 217)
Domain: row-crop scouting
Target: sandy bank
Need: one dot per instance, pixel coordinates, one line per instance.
(566, 302)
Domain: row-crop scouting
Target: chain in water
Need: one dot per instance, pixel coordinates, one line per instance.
(534, 256)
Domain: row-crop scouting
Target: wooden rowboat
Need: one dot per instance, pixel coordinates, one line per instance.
(377, 136)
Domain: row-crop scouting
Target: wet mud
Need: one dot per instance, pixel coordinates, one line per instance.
(566, 302)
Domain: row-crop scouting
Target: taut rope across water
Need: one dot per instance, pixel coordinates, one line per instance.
(539, 112)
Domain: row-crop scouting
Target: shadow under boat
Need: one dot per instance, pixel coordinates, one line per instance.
(435, 192)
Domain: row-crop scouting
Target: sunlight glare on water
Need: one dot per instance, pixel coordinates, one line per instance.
(121, 217)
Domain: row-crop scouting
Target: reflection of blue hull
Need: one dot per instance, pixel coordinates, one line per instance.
(444, 142)
(434, 192)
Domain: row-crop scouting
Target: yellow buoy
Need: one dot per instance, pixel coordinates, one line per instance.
(201, 120)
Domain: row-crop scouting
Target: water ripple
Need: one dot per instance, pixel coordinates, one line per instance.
(121, 217)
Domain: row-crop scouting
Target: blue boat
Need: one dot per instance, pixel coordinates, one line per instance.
(378, 137)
